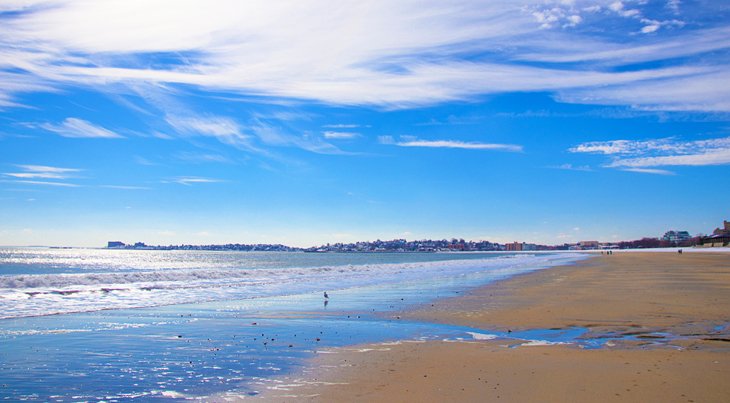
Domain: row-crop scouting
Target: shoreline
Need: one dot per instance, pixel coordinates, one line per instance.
(668, 314)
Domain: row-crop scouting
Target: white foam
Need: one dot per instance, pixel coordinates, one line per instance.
(170, 393)
(482, 336)
(533, 343)
(167, 283)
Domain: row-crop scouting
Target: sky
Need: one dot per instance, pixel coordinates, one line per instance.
(308, 122)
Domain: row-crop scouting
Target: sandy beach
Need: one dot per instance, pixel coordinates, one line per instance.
(668, 316)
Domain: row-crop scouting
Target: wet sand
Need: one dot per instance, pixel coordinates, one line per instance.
(676, 308)
(624, 291)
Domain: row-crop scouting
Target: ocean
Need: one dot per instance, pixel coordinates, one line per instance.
(133, 325)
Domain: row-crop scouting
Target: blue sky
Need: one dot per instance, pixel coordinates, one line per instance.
(306, 122)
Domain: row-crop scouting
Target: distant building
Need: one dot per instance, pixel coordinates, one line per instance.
(585, 245)
(514, 246)
(725, 230)
(676, 236)
(115, 244)
(719, 237)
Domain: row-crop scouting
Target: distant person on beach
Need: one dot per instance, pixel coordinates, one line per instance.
(326, 296)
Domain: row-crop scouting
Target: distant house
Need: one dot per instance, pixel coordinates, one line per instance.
(115, 245)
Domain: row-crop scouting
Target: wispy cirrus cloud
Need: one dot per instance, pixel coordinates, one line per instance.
(339, 135)
(201, 158)
(47, 183)
(79, 128)
(214, 126)
(652, 171)
(256, 134)
(192, 180)
(43, 175)
(42, 172)
(125, 187)
(344, 126)
(571, 167)
(361, 54)
(645, 155)
(411, 141)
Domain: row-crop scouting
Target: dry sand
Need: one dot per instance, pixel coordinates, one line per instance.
(634, 293)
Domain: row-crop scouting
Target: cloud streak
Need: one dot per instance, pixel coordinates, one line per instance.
(46, 183)
(409, 141)
(652, 171)
(366, 54)
(645, 155)
(335, 135)
(35, 175)
(192, 180)
(42, 172)
(78, 128)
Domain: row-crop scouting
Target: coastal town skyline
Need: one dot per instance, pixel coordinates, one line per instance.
(547, 122)
(672, 238)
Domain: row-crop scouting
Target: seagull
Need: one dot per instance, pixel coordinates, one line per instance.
(325, 295)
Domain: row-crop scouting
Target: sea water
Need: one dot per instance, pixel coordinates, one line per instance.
(126, 325)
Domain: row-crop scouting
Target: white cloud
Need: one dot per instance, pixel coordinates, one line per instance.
(256, 133)
(389, 140)
(674, 5)
(409, 141)
(619, 8)
(125, 187)
(705, 157)
(200, 158)
(344, 126)
(46, 168)
(380, 53)
(574, 20)
(213, 126)
(78, 128)
(654, 25)
(42, 175)
(652, 171)
(333, 135)
(551, 14)
(642, 155)
(693, 92)
(647, 29)
(226, 130)
(15, 83)
(46, 183)
(42, 172)
(602, 147)
(190, 180)
(30, 174)
(616, 6)
(559, 50)
(271, 134)
(571, 167)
